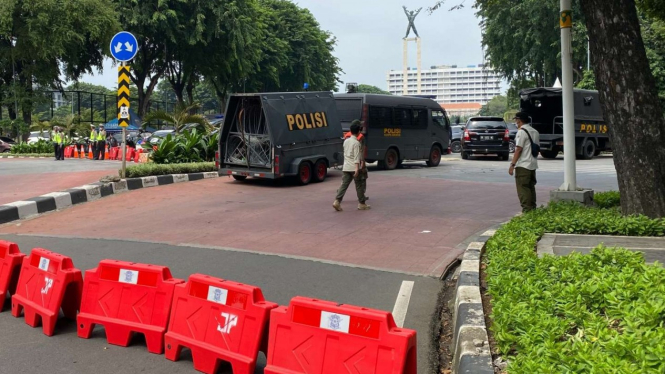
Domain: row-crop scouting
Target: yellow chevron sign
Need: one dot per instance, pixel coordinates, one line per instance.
(123, 96)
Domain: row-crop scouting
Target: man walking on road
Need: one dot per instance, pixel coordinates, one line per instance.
(524, 162)
(352, 170)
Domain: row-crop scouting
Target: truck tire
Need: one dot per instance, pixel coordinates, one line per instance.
(434, 156)
(239, 177)
(320, 171)
(465, 155)
(598, 151)
(390, 161)
(588, 150)
(304, 173)
(549, 154)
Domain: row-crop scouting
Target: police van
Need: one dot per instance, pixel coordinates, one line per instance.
(545, 106)
(397, 128)
(275, 135)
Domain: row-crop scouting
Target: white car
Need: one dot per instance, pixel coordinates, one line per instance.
(36, 136)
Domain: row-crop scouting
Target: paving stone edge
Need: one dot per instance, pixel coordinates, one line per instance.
(471, 350)
(60, 200)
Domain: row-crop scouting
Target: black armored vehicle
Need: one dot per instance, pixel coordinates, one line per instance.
(275, 135)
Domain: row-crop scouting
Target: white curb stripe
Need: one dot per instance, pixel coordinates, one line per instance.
(25, 208)
(62, 199)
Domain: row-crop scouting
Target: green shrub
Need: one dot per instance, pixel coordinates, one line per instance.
(190, 146)
(31, 154)
(145, 170)
(597, 313)
(40, 146)
(609, 199)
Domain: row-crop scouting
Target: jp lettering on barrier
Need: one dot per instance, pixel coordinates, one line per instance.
(48, 282)
(127, 298)
(321, 337)
(10, 268)
(218, 320)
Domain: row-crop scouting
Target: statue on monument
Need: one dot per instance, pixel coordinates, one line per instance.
(411, 15)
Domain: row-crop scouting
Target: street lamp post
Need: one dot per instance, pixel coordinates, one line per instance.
(566, 23)
(13, 41)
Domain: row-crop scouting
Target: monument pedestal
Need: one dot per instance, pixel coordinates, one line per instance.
(405, 88)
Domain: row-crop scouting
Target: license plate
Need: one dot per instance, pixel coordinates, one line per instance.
(486, 137)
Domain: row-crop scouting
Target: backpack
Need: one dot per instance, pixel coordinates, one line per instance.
(535, 148)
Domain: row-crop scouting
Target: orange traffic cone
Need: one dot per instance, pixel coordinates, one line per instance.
(76, 152)
(106, 153)
(90, 152)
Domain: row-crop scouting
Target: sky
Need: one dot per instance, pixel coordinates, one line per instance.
(369, 38)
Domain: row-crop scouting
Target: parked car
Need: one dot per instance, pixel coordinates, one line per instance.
(456, 140)
(512, 129)
(486, 135)
(36, 136)
(6, 144)
(159, 135)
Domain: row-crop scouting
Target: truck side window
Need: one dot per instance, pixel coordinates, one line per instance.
(440, 118)
(380, 117)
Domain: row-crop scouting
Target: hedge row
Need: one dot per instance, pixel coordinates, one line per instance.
(5, 155)
(597, 313)
(150, 169)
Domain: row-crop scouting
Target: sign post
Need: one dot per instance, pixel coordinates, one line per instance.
(123, 48)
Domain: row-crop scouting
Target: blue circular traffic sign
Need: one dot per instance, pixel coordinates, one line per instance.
(124, 46)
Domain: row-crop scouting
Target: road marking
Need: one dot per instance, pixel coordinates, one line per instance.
(402, 302)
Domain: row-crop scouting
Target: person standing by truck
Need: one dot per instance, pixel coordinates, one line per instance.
(363, 165)
(524, 162)
(353, 161)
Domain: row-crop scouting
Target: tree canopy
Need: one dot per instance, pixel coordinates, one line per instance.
(366, 88)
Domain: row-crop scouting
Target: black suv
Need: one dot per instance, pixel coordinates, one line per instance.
(486, 135)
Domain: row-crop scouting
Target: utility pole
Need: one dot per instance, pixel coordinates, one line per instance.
(566, 23)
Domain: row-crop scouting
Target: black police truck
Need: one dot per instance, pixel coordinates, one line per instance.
(545, 106)
(274, 135)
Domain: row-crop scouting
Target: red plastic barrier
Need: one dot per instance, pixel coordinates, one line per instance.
(130, 154)
(10, 267)
(125, 298)
(321, 337)
(68, 151)
(114, 153)
(48, 282)
(137, 154)
(218, 320)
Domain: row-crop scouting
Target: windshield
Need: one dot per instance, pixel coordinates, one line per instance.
(486, 125)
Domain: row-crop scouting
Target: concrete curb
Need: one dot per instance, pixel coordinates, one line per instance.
(90, 192)
(471, 350)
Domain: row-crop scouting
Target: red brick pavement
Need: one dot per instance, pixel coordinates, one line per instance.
(299, 221)
(24, 186)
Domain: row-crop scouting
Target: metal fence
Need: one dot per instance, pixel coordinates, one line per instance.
(87, 106)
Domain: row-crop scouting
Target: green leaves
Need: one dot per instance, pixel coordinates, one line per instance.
(191, 146)
(146, 170)
(598, 313)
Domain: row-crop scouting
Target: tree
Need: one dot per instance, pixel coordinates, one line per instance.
(179, 117)
(629, 98)
(43, 40)
(366, 88)
(295, 51)
(588, 82)
(495, 107)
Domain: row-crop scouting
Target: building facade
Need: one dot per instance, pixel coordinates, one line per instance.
(450, 84)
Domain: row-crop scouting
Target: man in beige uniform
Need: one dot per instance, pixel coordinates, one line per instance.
(352, 170)
(524, 163)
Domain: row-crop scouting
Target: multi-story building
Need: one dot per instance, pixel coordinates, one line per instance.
(461, 90)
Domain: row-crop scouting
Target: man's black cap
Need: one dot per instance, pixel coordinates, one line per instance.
(522, 116)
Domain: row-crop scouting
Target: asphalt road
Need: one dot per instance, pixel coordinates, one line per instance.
(26, 350)
(283, 238)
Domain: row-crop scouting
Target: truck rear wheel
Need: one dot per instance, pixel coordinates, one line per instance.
(304, 173)
(391, 160)
(320, 171)
(588, 150)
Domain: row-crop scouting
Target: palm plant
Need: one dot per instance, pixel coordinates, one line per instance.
(179, 118)
(41, 126)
